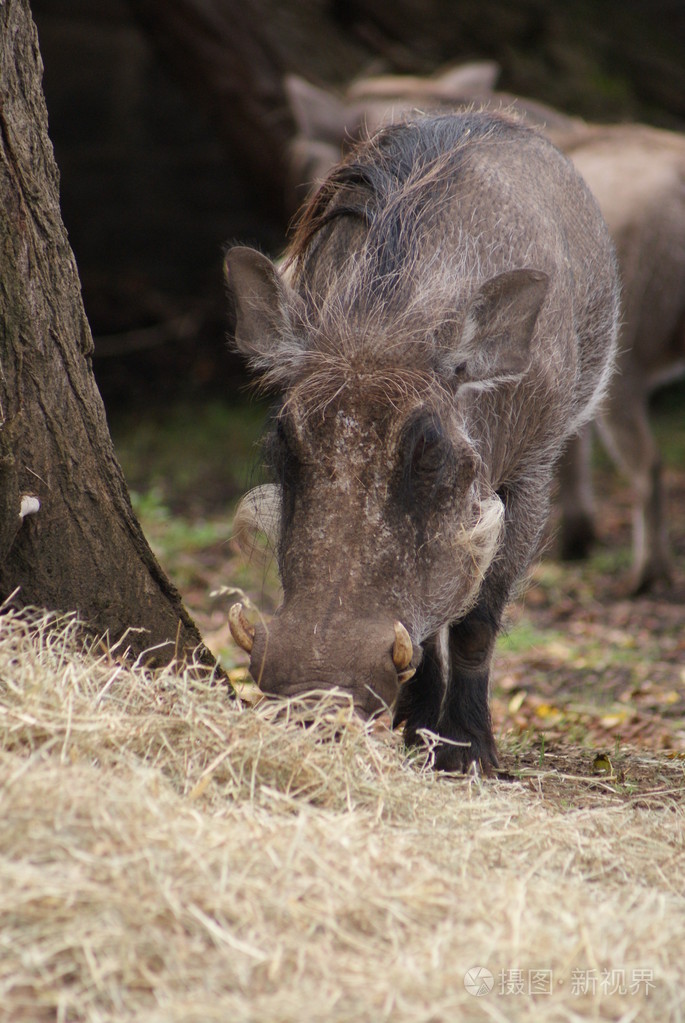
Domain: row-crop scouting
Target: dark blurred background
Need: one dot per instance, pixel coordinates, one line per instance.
(169, 122)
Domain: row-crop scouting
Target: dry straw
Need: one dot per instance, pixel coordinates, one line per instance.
(167, 854)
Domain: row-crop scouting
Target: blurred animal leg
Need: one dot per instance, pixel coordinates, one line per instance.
(624, 427)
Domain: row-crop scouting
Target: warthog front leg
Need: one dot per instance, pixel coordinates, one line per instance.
(456, 711)
(465, 713)
(454, 708)
(449, 696)
(420, 700)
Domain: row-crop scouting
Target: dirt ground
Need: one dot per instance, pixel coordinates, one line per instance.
(602, 667)
(595, 692)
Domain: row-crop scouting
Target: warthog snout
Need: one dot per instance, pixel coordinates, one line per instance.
(371, 662)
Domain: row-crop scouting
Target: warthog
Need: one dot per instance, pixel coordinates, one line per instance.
(637, 175)
(327, 122)
(447, 320)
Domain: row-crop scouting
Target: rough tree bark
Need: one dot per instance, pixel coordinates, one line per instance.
(82, 549)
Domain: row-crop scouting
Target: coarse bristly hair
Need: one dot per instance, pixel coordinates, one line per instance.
(387, 301)
(258, 513)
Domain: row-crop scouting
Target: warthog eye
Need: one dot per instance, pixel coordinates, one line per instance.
(428, 454)
(427, 459)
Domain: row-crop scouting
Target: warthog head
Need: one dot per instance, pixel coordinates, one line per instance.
(382, 516)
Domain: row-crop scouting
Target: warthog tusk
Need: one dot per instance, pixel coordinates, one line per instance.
(404, 676)
(241, 630)
(402, 649)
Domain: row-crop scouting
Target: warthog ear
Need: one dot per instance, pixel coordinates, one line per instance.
(499, 324)
(319, 114)
(465, 79)
(266, 308)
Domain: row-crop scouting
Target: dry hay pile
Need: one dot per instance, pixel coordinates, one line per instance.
(168, 855)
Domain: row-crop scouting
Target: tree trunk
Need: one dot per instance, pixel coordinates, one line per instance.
(82, 549)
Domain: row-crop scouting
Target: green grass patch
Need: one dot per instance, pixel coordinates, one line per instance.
(193, 459)
(172, 534)
(522, 637)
